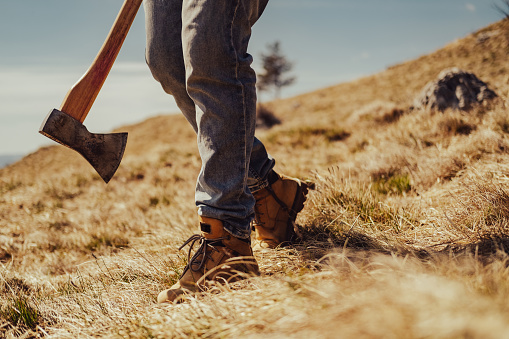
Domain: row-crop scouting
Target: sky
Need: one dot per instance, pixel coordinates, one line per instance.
(46, 46)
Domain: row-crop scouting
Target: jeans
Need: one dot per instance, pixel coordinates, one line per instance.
(197, 51)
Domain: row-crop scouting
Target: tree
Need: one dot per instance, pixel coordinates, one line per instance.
(502, 9)
(275, 67)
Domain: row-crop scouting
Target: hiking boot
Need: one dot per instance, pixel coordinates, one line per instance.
(276, 209)
(221, 258)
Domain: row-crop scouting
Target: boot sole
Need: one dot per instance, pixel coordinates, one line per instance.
(298, 205)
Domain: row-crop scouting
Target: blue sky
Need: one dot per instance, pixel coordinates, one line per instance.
(47, 45)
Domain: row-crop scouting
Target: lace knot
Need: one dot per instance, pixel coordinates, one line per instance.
(204, 250)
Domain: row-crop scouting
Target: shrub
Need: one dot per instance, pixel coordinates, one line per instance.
(265, 118)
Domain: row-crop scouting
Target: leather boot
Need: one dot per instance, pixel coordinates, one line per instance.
(221, 258)
(276, 209)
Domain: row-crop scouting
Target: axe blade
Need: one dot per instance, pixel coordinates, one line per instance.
(103, 151)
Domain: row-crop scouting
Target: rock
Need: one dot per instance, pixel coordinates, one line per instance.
(485, 36)
(454, 89)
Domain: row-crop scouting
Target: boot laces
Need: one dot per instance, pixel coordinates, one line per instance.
(205, 249)
(283, 206)
(257, 220)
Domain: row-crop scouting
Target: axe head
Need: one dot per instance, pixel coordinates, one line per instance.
(103, 151)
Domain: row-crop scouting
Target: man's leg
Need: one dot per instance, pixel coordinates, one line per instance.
(233, 159)
(224, 245)
(221, 83)
(164, 56)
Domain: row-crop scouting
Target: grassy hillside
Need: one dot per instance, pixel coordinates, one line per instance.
(404, 236)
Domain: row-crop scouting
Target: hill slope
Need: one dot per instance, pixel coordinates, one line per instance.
(404, 236)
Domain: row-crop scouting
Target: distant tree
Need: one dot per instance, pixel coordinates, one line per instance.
(275, 67)
(504, 9)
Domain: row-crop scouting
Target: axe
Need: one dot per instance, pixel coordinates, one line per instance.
(65, 125)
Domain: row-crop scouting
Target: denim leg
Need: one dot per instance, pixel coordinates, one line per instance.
(221, 84)
(261, 163)
(164, 56)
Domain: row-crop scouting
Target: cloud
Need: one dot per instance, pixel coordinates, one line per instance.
(470, 7)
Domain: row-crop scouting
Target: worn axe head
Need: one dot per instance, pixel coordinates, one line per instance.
(103, 151)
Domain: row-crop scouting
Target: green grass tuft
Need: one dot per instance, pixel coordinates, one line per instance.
(20, 311)
(398, 184)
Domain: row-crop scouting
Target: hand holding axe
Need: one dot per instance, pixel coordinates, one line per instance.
(65, 125)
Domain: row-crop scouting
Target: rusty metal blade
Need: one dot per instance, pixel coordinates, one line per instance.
(103, 151)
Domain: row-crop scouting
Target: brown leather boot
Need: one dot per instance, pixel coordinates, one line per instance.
(221, 258)
(276, 210)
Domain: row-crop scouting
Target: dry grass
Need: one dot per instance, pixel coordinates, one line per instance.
(405, 236)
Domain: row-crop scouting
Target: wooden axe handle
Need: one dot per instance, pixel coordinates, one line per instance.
(81, 96)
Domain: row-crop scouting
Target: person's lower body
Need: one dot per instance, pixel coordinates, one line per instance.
(211, 79)
(197, 50)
